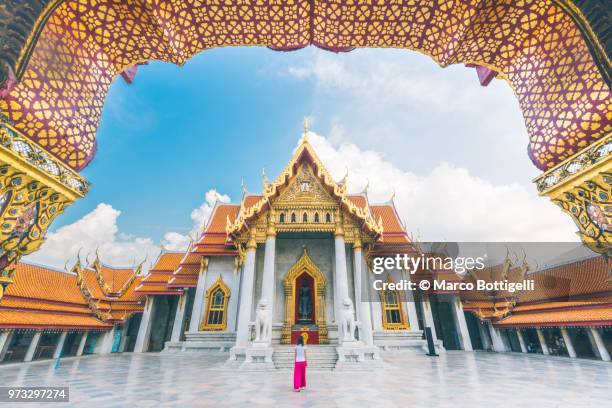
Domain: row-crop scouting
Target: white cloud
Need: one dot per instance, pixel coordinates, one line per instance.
(96, 230)
(449, 203)
(179, 242)
(398, 102)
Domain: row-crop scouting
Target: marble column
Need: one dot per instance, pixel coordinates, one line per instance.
(105, 346)
(464, 334)
(198, 301)
(5, 341)
(246, 294)
(496, 337)
(124, 335)
(601, 347)
(144, 331)
(60, 345)
(179, 318)
(365, 316)
(543, 344)
(32, 347)
(413, 318)
(429, 320)
(484, 335)
(568, 343)
(268, 279)
(341, 274)
(82, 343)
(521, 340)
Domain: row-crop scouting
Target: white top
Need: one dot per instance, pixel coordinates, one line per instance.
(299, 353)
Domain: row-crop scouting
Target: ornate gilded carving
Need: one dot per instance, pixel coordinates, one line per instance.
(34, 188)
(547, 51)
(304, 265)
(582, 187)
(305, 198)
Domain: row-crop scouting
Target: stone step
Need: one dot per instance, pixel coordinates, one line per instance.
(320, 357)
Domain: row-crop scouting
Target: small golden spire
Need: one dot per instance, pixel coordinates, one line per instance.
(265, 177)
(244, 188)
(367, 186)
(305, 134)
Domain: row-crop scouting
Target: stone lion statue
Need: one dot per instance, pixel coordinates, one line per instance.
(348, 320)
(263, 321)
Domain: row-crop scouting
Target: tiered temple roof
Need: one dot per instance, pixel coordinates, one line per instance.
(155, 283)
(577, 293)
(91, 298)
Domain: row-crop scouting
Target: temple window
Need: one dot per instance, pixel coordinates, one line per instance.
(293, 217)
(316, 217)
(282, 218)
(305, 218)
(393, 313)
(216, 309)
(328, 217)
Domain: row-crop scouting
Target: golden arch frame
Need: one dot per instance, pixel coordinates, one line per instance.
(304, 264)
(404, 323)
(204, 325)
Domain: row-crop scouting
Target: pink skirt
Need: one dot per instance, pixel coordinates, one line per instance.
(299, 375)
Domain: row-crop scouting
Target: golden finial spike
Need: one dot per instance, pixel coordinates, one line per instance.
(367, 186)
(265, 177)
(305, 134)
(244, 188)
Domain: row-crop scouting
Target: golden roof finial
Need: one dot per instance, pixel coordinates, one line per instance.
(346, 174)
(367, 186)
(265, 177)
(392, 196)
(305, 134)
(245, 191)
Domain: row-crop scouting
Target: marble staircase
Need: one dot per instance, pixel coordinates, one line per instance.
(320, 356)
(403, 340)
(203, 342)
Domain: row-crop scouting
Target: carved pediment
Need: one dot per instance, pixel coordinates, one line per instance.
(305, 188)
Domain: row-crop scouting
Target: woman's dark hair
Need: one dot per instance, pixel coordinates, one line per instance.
(300, 341)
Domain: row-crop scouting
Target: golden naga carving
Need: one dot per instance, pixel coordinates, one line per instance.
(302, 197)
(582, 187)
(34, 188)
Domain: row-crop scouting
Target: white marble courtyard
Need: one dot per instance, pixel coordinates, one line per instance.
(457, 379)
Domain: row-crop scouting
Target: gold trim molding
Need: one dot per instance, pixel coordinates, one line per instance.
(582, 187)
(34, 188)
(304, 265)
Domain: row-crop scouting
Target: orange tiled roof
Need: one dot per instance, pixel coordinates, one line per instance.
(156, 280)
(46, 298)
(588, 315)
(575, 293)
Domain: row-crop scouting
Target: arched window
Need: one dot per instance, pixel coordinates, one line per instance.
(293, 218)
(304, 218)
(327, 218)
(215, 317)
(392, 310)
(316, 217)
(281, 219)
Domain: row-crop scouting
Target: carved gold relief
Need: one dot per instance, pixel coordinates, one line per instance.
(34, 189)
(305, 198)
(582, 187)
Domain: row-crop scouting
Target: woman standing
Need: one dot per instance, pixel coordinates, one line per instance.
(299, 368)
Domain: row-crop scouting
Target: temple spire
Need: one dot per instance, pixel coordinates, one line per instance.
(305, 133)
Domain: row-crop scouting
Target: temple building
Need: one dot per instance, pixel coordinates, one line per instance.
(51, 313)
(297, 260)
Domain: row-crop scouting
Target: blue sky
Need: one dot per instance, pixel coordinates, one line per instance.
(457, 150)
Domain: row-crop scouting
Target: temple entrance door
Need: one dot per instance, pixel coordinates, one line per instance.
(304, 303)
(305, 313)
